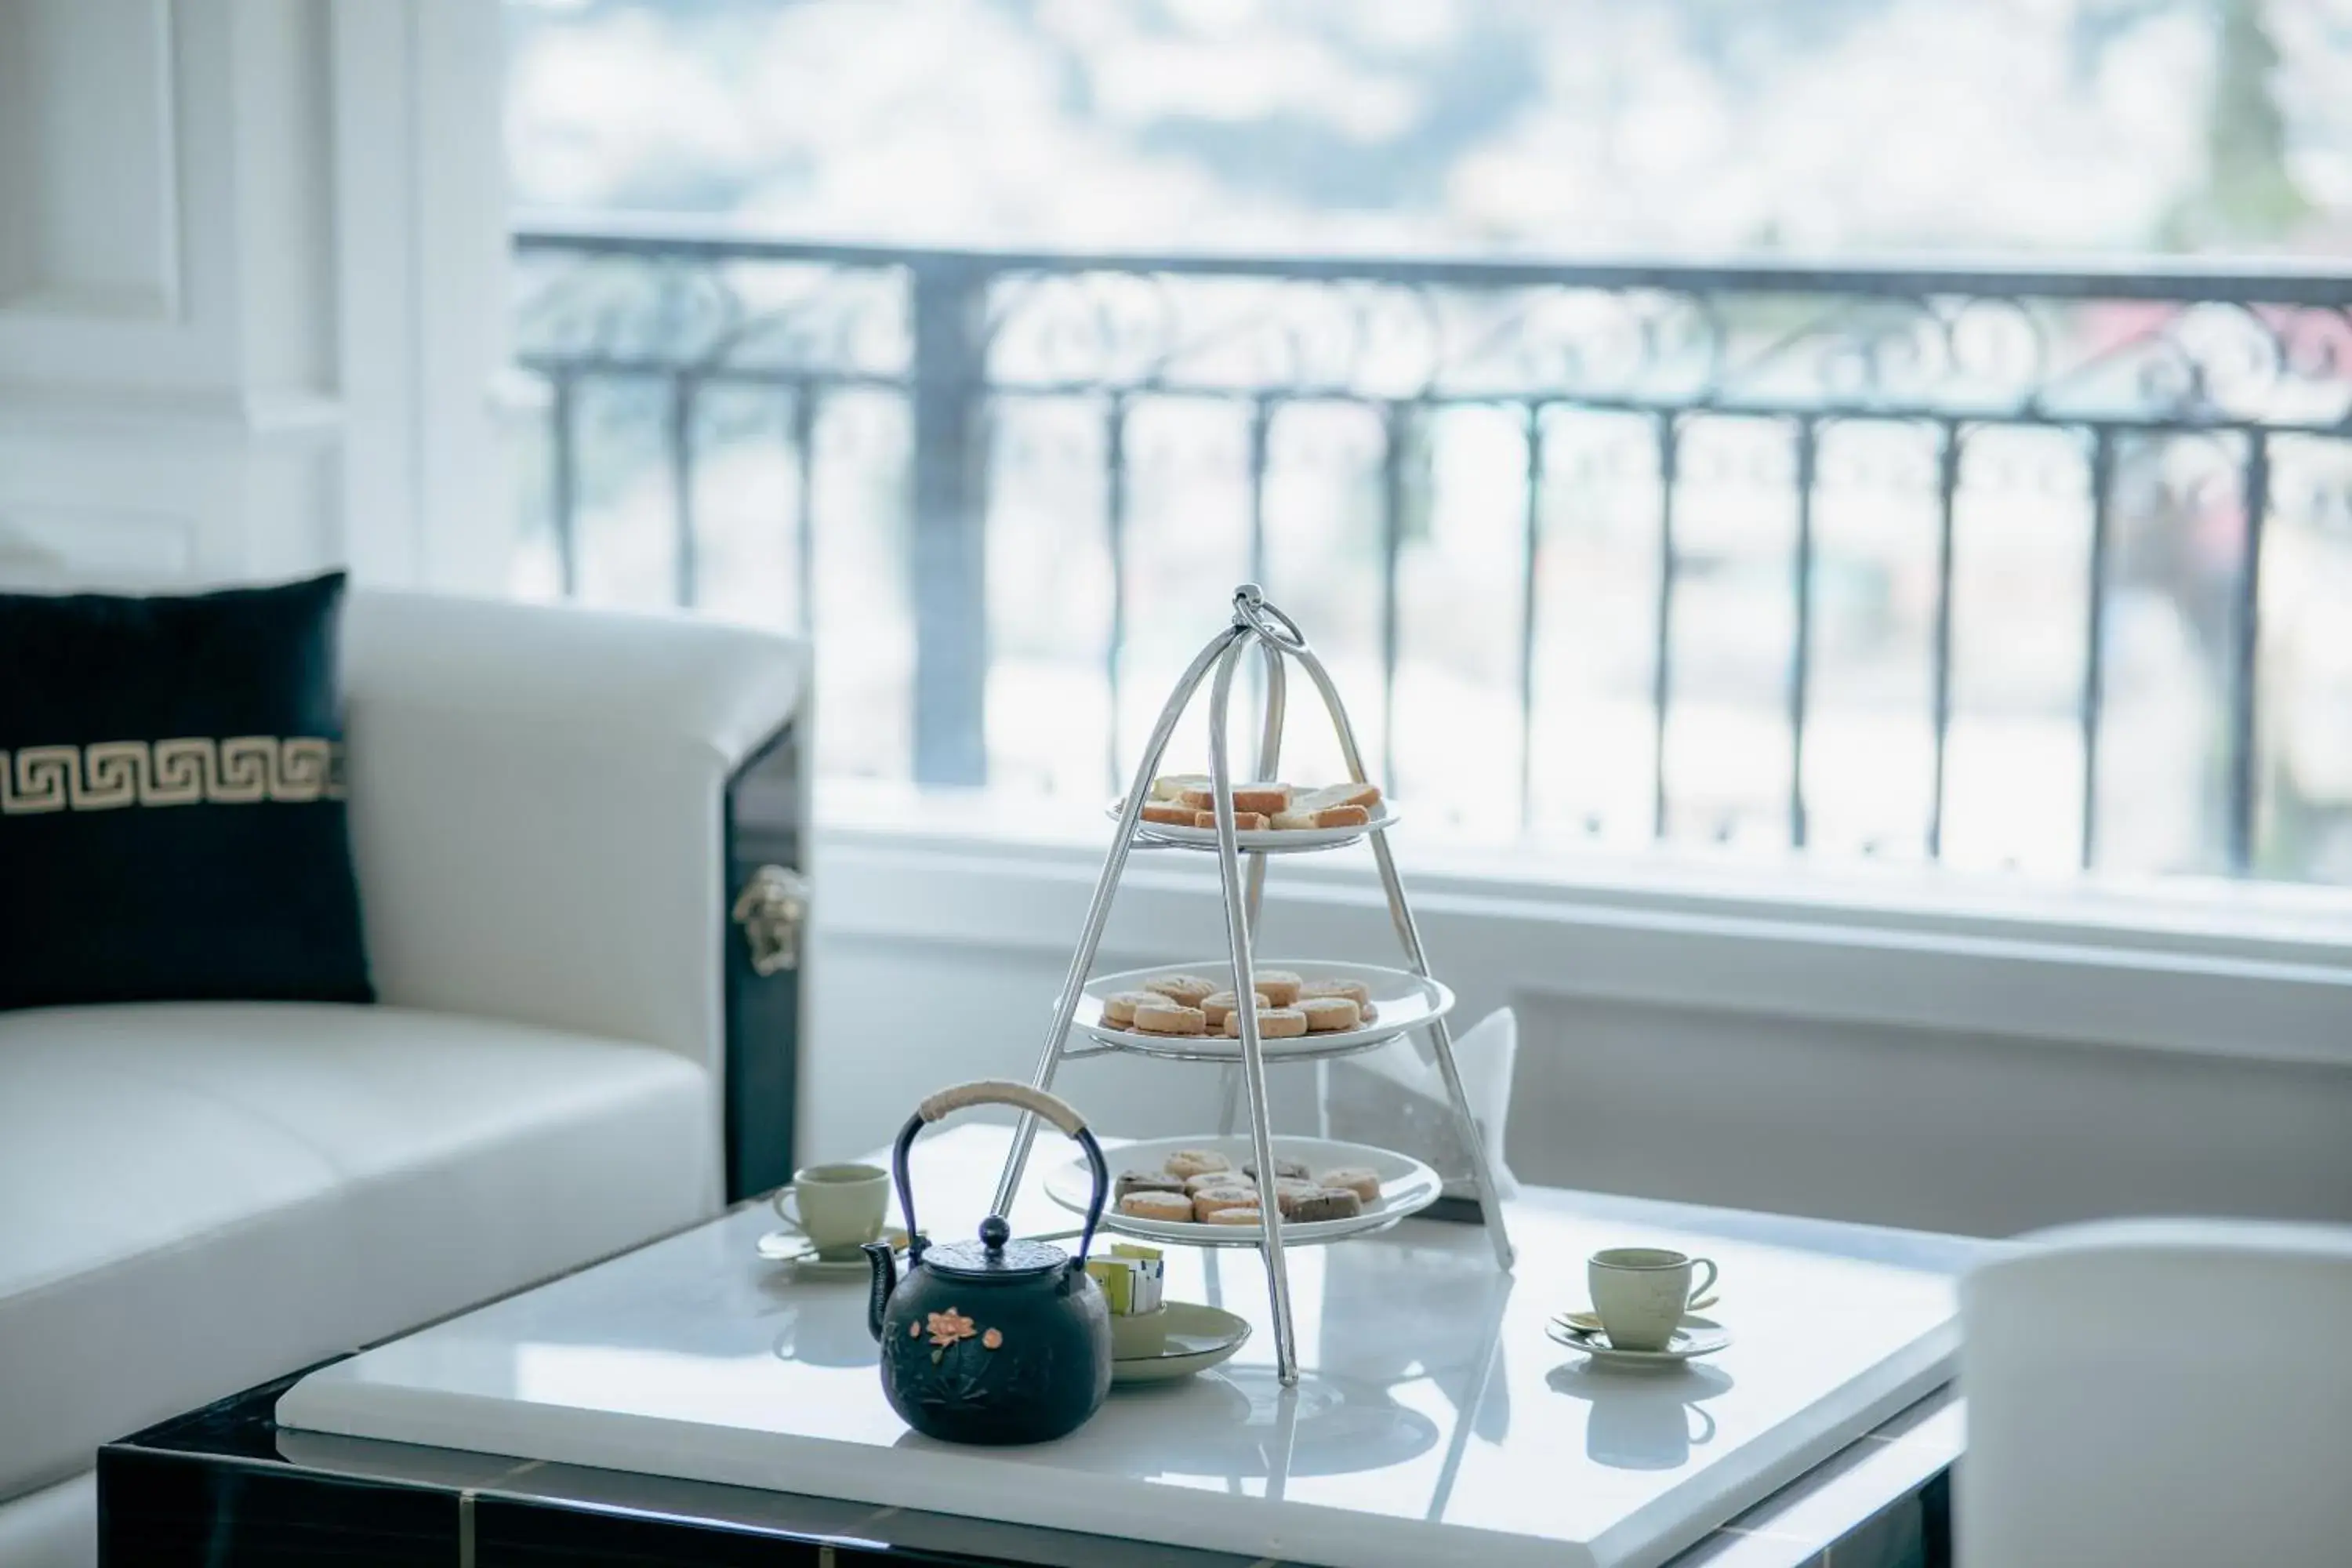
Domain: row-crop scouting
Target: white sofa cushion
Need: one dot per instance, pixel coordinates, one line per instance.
(196, 1198)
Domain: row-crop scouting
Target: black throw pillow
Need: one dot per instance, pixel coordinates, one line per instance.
(172, 817)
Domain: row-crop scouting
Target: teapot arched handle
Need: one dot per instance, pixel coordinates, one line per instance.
(1001, 1091)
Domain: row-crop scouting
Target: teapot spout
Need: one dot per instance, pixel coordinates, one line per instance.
(886, 1279)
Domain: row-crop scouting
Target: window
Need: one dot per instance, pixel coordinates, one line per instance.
(1064, 318)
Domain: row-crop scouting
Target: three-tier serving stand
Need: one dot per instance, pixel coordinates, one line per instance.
(1259, 624)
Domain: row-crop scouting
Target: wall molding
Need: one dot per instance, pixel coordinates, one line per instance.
(2245, 999)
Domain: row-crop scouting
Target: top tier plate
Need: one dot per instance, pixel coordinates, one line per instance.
(1262, 840)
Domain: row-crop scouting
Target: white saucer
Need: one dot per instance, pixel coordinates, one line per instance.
(1696, 1337)
(1199, 1337)
(791, 1247)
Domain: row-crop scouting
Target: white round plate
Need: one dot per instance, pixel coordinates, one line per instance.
(1407, 1186)
(1199, 1337)
(1272, 840)
(791, 1247)
(1405, 1000)
(1696, 1337)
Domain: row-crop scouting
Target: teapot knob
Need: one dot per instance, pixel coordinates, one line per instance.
(995, 1233)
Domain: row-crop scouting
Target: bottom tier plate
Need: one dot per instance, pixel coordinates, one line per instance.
(1407, 1186)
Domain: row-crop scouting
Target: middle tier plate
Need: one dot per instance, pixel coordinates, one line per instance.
(1401, 1000)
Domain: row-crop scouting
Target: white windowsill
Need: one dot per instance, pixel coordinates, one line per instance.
(2181, 966)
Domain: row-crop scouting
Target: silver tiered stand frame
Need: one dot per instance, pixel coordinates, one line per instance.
(1259, 623)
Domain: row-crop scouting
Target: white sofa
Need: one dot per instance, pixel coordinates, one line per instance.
(194, 1198)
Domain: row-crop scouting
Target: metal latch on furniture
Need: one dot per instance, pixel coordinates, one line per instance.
(771, 908)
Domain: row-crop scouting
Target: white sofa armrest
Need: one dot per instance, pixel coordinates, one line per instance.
(538, 807)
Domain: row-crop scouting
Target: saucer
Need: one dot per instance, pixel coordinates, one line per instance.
(1696, 1337)
(1198, 1338)
(791, 1247)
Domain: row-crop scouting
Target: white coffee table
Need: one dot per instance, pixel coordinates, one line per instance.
(1435, 1421)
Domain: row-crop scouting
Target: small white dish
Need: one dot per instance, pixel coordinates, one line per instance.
(789, 1246)
(1401, 1001)
(1266, 840)
(1407, 1186)
(1695, 1337)
(1198, 1338)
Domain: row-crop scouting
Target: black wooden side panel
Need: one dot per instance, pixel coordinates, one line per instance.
(767, 824)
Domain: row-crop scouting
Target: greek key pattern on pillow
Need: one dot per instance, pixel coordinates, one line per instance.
(107, 776)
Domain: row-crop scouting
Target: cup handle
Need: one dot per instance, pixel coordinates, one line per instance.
(1707, 1423)
(783, 1207)
(1699, 1293)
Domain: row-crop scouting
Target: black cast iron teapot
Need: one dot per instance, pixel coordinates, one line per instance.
(992, 1341)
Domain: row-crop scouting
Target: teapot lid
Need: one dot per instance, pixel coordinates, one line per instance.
(994, 1255)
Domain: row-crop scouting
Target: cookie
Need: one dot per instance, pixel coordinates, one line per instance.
(1334, 795)
(1209, 1202)
(1219, 1006)
(1244, 821)
(1168, 786)
(1290, 1191)
(1353, 990)
(1323, 1203)
(1118, 1008)
(1370, 1013)
(1161, 1017)
(1273, 1024)
(1264, 799)
(1240, 1214)
(1327, 1015)
(1193, 1186)
(1174, 816)
(1364, 1183)
(1132, 1182)
(1329, 816)
(1173, 1206)
(1283, 1170)
(1278, 986)
(1194, 1162)
(1187, 989)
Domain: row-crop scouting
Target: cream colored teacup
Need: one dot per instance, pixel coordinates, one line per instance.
(1641, 1293)
(837, 1207)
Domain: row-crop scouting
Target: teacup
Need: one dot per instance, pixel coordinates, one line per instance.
(838, 1207)
(1641, 1293)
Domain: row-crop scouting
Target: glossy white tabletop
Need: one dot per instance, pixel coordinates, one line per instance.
(1434, 1418)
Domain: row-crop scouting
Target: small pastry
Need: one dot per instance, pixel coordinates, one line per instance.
(1283, 1170)
(1337, 794)
(1173, 815)
(1195, 1185)
(1160, 1017)
(1244, 821)
(1279, 986)
(1187, 989)
(1169, 786)
(1364, 1183)
(1264, 799)
(1289, 1192)
(1131, 1181)
(1273, 1024)
(1353, 990)
(1323, 1203)
(1209, 1202)
(1328, 1015)
(1194, 1162)
(1219, 1006)
(1329, 816)
(1173, 1206)
(1240, 1214)
(1118, 1008)
(1369, 1013)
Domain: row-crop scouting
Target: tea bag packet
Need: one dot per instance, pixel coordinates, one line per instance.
(1394, 1099)
(1131, 1279)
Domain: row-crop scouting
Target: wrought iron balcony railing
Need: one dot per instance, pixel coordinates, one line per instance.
(1859, 461)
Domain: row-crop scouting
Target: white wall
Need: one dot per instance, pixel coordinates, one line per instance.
(1846, 1063)
(251, 288)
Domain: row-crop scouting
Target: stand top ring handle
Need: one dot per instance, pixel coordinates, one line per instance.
(1252, 610)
